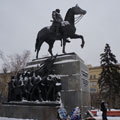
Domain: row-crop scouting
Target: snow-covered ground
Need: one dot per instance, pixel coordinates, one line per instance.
(109, 118)
(98, 117)
(4, 118)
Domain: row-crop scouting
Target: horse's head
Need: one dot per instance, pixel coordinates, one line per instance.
(78, 11)
(70, 15)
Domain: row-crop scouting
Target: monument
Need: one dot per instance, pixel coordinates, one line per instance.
(46, 84)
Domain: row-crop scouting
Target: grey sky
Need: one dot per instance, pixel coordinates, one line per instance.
(20, 21)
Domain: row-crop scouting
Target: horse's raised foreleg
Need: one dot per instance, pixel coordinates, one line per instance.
(78, 36)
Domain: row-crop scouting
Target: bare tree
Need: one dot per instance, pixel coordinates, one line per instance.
(14, 63)
(5, 64)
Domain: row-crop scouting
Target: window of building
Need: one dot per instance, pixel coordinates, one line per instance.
(94, 76)
(90, 76)
(93, 90)
(93, 83)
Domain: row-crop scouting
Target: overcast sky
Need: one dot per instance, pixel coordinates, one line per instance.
(20, 21)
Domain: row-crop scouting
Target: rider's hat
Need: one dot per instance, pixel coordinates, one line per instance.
(57, 10)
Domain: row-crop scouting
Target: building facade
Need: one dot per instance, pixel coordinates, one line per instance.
(94, 74)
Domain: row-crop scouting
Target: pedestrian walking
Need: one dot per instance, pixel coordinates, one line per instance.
(104, 111)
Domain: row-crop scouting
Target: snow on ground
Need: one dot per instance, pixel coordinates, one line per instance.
(5, 118)
(99, 116)
(109, 118)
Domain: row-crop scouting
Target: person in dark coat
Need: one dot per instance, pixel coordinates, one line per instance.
(57, 20)
(57, 23)
(104, 111)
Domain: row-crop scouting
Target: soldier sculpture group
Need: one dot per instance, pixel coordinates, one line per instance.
(34, 85)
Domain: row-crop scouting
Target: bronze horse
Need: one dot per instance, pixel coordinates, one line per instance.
(67, 31)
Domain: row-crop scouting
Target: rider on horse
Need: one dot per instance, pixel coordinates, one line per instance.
(67, 30)
(58, 22)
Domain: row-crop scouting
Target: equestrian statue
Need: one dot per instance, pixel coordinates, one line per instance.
(60, 29)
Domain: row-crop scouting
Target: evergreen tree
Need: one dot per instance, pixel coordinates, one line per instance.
(109, 81)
